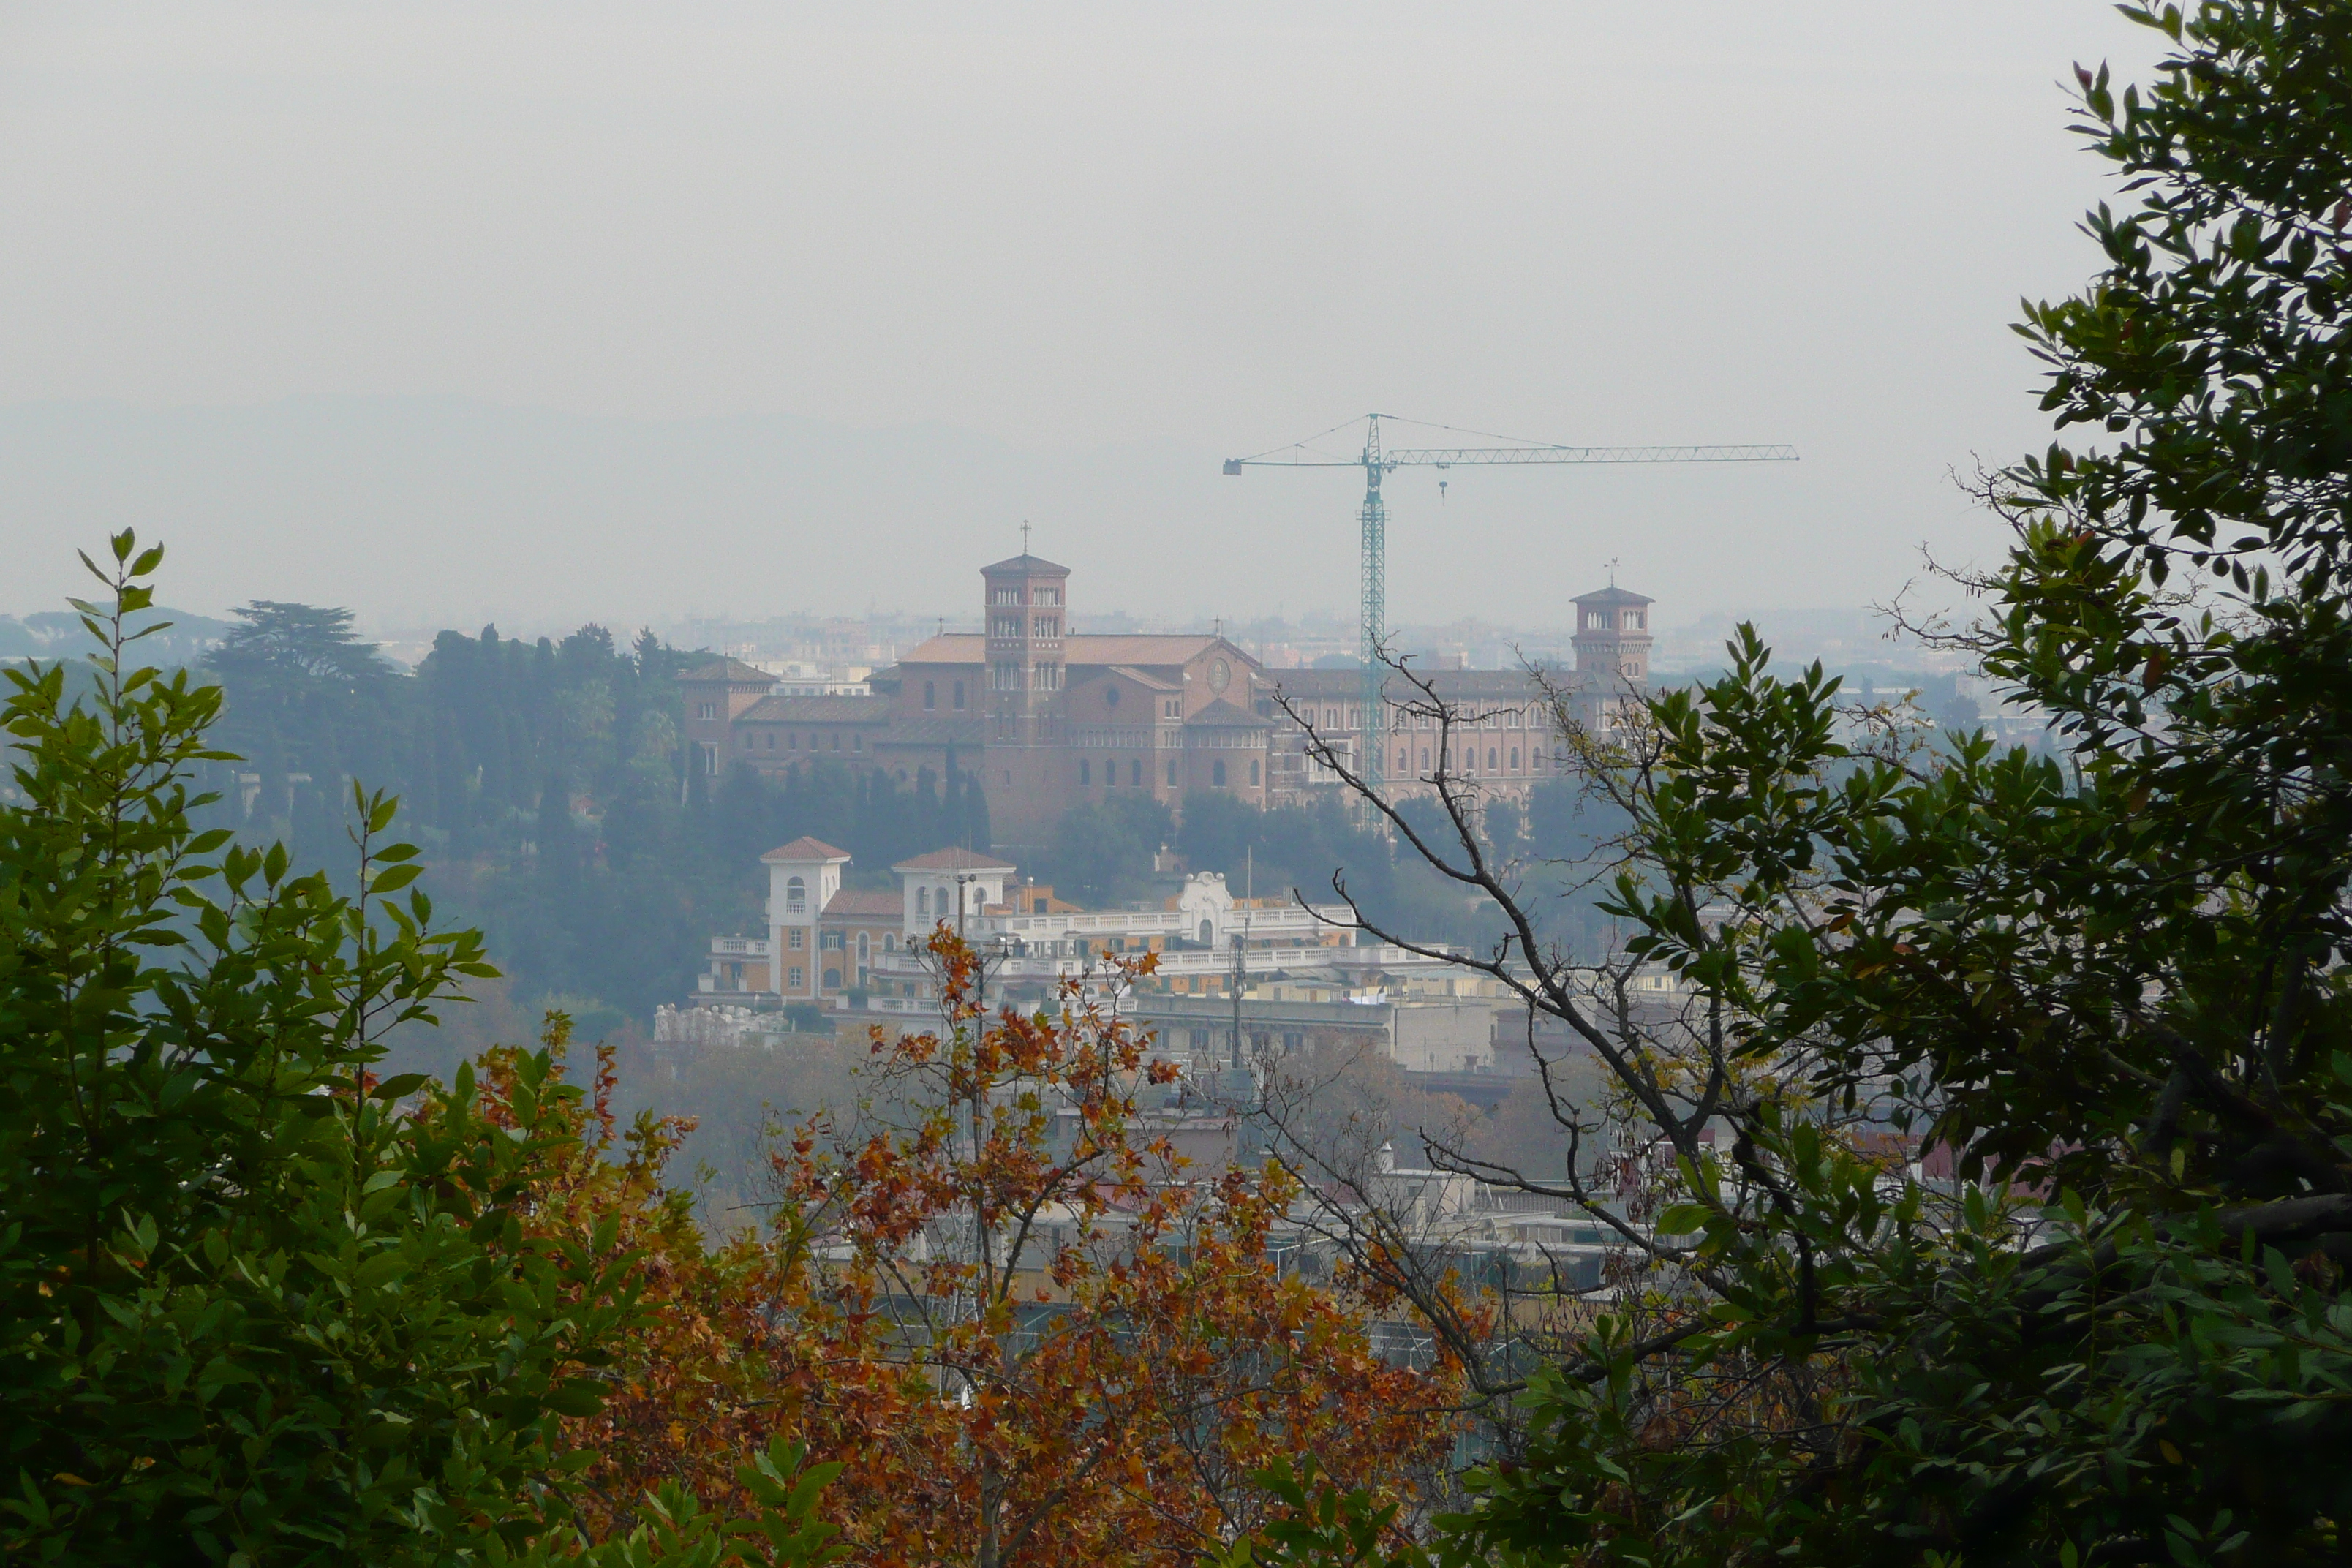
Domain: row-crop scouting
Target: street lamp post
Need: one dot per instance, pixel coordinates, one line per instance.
(962, 881)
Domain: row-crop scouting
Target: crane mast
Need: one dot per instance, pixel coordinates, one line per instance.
(1377, 461)
(1372, 591)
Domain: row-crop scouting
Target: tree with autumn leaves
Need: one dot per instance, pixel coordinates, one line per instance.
(997, 1299)
(1089, 1350)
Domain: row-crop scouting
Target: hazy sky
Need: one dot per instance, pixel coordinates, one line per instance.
(792, 306)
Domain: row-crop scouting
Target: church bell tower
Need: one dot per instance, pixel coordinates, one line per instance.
(1613, 635)
(1027, 613)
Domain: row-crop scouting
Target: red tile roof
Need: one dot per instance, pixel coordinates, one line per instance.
(841, 710)
(855, 903)
(953, 860)
(1454, 685)
(733, 671)
(928, 729)
(1110, 649)
(1026, 562)
(1223, 714)
(806, 848)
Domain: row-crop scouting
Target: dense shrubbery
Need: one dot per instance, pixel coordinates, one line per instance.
(248, 1307)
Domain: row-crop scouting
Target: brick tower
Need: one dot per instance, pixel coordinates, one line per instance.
(1027, 619)
(1613, 637)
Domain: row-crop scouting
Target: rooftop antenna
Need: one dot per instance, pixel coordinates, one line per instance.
(1612, 565)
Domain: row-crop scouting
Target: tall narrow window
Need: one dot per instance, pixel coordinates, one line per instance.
(796, 896)
(1217, 773)
(922, 903)
(1086, 771)
(1135, 773)
(958, 697)
(1252, 772)
(1171, 772)
(931, 695)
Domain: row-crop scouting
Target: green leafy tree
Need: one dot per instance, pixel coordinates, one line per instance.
(1102, 854)
(308, 705)
(2027, 1243)
(252, 1310)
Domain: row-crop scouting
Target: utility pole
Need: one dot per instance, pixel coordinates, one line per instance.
(1241, 961)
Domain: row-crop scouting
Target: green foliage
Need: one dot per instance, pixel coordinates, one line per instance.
(1101, 854)
(872, 815)
(1319, 1526)
(1273, 851)
(550, 785)
(678, 1531)
(2109, 987)
(254, 1309)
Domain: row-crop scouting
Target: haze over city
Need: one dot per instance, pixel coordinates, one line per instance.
(540, 313)
(1496, 786)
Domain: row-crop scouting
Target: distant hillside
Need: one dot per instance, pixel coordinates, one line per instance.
(57, 634)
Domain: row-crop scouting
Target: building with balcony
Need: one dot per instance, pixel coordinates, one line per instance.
(862, 950)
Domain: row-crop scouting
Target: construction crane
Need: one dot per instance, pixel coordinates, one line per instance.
(1379, 462)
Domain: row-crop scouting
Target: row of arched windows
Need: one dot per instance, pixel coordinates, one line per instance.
(1467, 759)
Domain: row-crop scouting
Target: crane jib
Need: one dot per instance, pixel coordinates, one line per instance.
(1376, 460)
(1470, 457)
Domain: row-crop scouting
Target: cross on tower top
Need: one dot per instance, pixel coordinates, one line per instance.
(1613, 571)
(1025, 536)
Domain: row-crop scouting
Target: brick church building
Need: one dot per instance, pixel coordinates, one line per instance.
(1047, 718)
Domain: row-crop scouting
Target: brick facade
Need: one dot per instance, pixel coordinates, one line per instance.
(1047, 719)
